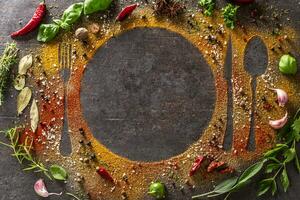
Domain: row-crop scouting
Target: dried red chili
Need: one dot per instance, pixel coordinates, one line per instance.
(196, 165)
(104, 174)
(34, 22)
(227, 170)
(126, 12)
(216, 166)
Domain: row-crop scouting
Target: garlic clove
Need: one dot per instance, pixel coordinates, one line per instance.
(41, 190)
(278, 124)
(282, 96)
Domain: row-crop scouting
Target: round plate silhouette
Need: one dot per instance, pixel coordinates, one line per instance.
(146, 99)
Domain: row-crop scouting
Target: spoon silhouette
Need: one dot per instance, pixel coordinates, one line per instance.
(256, 62)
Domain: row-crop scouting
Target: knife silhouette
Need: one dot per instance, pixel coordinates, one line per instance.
(227, 144)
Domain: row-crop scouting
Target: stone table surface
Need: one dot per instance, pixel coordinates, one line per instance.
(146, 98)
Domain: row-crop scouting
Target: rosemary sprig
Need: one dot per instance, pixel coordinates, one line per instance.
(274, 163)
(22, 152)
(7, 60)
(73, 195)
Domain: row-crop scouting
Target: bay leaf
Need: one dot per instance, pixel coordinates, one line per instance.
(19, 82)
(34, 116)
(24, 64)
(23, 99)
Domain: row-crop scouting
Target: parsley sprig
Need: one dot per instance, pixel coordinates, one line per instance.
(208, 6)
(273, 165)
(22, 152)
(229, 14)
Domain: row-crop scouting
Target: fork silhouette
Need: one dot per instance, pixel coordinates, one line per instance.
(65, 61)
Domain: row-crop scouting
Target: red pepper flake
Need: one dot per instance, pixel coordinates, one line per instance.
(196, 165)
(34, 22)
(214, 165)
(104, 174)
(126, 12)
(227, 170)
(267, 106)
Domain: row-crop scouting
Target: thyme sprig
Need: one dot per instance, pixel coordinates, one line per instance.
(23, 152)
(273, 165)
(7, 60)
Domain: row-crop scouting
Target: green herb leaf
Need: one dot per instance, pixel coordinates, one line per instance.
(264, 186)
(229, 14)
(92, 6)
(296, 125)
(297, 164)
(23, 99)
(72, 14)
(284, 180)
(208, 6)
(271, 167)
(274, 188)
(225, 186)
(47, 32)
(289, 155)
(250, 172)
(58, 172)
(288, 64)
(275, 150)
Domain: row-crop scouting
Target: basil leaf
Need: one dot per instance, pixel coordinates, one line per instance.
(58, 172)
(72, 14)
(264, 186)
(92, 6)
(284, 180)
(47, 32)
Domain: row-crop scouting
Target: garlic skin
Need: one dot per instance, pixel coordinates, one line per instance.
(278, 124)
(41, 190)
(282, 97)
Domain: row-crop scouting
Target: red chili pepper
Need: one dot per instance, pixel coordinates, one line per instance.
(34, 22)
(126, 12)
(216, 165)
(196, 165)
(104, 174)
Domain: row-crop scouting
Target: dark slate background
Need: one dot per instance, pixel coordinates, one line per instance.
(18, 185)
